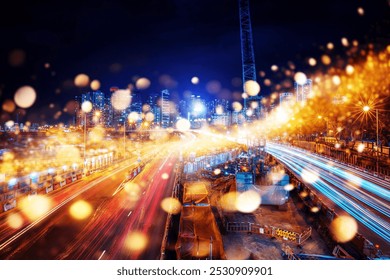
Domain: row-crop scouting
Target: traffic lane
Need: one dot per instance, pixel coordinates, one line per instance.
(371, 226)
(56, 197)
(122, 215)
(60, 228)
(371, 183)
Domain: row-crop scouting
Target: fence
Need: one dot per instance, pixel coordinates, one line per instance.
(271, 231)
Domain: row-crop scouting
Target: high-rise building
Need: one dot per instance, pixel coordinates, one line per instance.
(165, 109)
(303, 91)
(286, 98)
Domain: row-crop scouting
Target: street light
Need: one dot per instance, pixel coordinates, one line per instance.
(366, 109)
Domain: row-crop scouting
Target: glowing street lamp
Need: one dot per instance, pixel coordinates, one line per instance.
(366, 109)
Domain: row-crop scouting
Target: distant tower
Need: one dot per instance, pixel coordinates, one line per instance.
(247, 53)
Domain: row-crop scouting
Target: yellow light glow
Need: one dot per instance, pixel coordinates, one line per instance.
(121, 99)
(248, 202)
(95, 85)
(81, 80)
(8, 106)
(343, 228)
(34, 206)
(164, 176)
(136, 241)
(366, 108)
(361, 147)
(171, 205)
(312, 61)
(80, 210)
(15, 221)
(228, 202)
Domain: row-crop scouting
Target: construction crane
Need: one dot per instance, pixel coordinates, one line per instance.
(247, 54)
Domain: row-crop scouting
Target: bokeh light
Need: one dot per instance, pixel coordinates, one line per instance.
(121, 99)
(35, 206)
(248, 201)
(25, 96)
(228, 201)
(195, 80)
(136, 241)
(171, 205)
(183, 125)
(15, 221)
(95, 85)
(81, 80)
(343, 228)
(300, 78)
(8, 106)
(309, 176)
(80, 210)
(252, 88)
(142, 83)
(86, 107)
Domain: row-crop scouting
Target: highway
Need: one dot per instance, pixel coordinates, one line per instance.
(346, 189)
(123, 214)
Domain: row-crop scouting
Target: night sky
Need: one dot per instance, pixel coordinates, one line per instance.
(117, 41)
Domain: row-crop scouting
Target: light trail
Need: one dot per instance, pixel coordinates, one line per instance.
(353, 194)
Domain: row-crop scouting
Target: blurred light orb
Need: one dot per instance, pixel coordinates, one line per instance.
(252, 88)
(95, 85)
(330, 46)
(149, 116)
(142, 83)
(244, 95)
(326, 60)
(361, 147)
(183, 125)
(300, 78)
(248, 201)
(16, 57)
(309, 177)
(133, 117)
(289, 187)
(343, 228)
(360, 11)
(228, 201)
(267, 82)
(80, 210)
(237, 107)
(164, 176)
(314, 209)
(86, 107)
(217, 171)
(219, 110)
(136, 241)
(336, 80)
(274, 68)
(25, 96)
(81, 80)
(349, 69)
(337, 145)
(10, 123)
(171, 205)
(121, 99)
(366, 108)
(35, 206)
(15, 221)
(312, 61)
(344, 42)
(195, 80)
(213, 86)
(8, 106)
